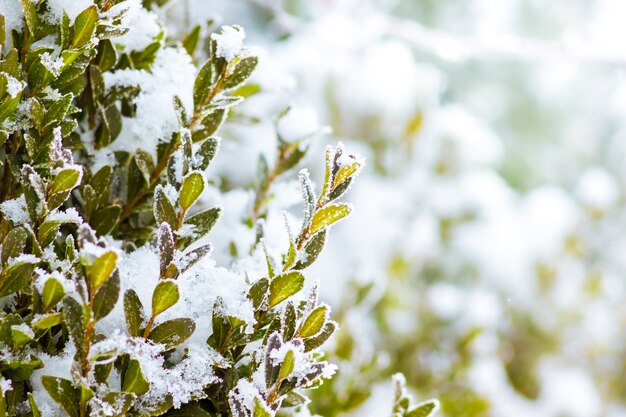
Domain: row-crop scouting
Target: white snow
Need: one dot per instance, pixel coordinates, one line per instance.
(299, 123)
(71, 7)
(229, 42)
(15, 210)
(143, 26)
(171, 75)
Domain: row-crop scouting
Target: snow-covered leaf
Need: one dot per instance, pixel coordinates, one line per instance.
(63, 392)
(134, 380)
(133, 312)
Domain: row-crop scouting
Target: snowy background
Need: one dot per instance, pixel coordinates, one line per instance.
(485, 256)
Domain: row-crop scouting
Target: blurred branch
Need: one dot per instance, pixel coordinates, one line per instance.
(456, 48)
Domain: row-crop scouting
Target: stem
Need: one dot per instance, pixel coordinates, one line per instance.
(158, 170)
(146, 332)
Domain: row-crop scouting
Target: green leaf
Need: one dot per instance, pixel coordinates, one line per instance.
(202, 84)
(346, 172)
(189, 410)
(288, 321)
(204, 221)
(424, 409)
(30, 16)
(209, 125)
(294, 399)
(208, 150)
(73, 317)
(20, 336)
(258, 292)
(33, 405)
(133, 312)
(312, 250)
(57, 111)
(192, 257)
(260, 409)
(104, 220)
(120, 402)
(2, 32)
(284, 286)
(101, 270)
(145, 163)
(165, 295)
(47, 232)
(66, 180)
(314, 322)
(242, 72)
(220, 325)
(191, 189)
(134, 381)
(53, 292)
(190, 43)
(16, 277)
(85, 26)
(165, 245)
(163, 209)
(107, 56)
(286, 368)
(63, 392)
(173, 332)
(314, 342)
(49, 320)
(327, 216)
(14, 243)
(106, 297)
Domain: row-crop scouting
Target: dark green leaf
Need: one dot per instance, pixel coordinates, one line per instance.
(208, 150)
(318, 340)
(163, 209)
(16, 277)
(104, 220)
(133, 312)
(209, 125)
(134, 381)
(425, 409)
(14, 243)
(63, 392)
(204, 221)
(242, 72)
(202, 84)
(312, 250)
(190, 43)
(73, 317)
(258, 292)
(173, 332)
(106, 297)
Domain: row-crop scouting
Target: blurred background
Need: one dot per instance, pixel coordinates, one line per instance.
(485, 258)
